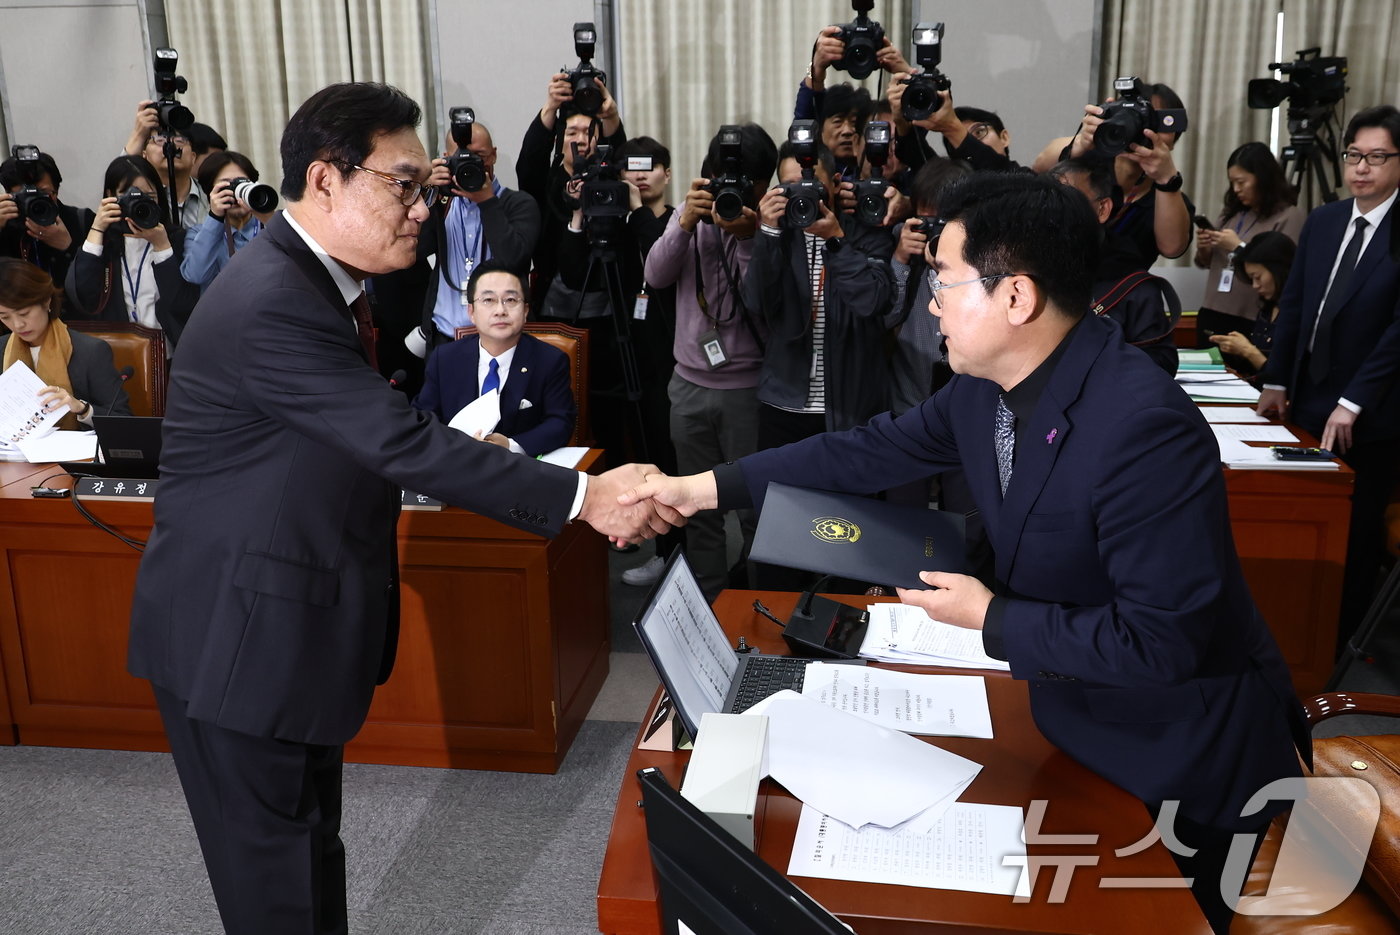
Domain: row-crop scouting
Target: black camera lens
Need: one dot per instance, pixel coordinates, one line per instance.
(140, 208)
(468, 172)
(1119, 129)
(803, 210)
(860, 58)
(588, 97)
(175, 116)
(36, 206)
(729, 204)
(921, 99)
(870, 202)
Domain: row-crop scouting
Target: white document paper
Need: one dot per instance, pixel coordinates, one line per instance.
(1227, 392)
(940, 705)
(1233, 414)
(1217, 377)
(856, 771)
(21, 414)
(59, 446)
(905, 633)
(1279, 434)
(965, 851)
(564, 457)
(479, 417)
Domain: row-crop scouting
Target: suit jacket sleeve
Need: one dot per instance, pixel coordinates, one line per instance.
(762, 287)
(429, 398)
(177, 297)
(532, 165)
(305, 370)
(672, 248)
(511, 225)
(557, 399)
(95, 378)
(84, 287)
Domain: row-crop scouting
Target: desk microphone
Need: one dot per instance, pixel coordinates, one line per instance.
(124, 374)
(825, 629)
(397, 377)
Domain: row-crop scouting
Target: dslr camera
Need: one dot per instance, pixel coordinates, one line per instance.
(605, 197)
(1313, 81)
(924, 94)
(870, 193)
(140, 209)
(174, 116)
(584, 78)
(33, 204)
(468, 170)
(1125, 119)
(259, 196)
(863, 37)
(733, 190)
(805, 196)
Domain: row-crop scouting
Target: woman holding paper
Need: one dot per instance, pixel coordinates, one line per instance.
(76, 369)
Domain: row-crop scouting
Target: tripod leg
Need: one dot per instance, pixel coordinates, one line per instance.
(1358, 647)
(631, 377)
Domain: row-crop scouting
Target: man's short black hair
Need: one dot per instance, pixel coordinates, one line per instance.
(1384, 116)
(203, 138)
(11, 176)
(842, 99)
(758, 155)
(978, 115)
(825, 159)
(339, 124)
(932, 180)
(644, 146)
(495, 266)
(210, 168)
(1024, 224)
(1099, 174)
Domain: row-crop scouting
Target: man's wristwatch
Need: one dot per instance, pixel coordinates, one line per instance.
(87, 407)
(1172, 184)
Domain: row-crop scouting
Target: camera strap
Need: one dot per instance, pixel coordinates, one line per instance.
(740, 308)
(700, 299)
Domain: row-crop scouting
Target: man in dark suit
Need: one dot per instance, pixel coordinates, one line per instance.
(1117, 592)
(266, 606)
(1336, 353)
(531, 377)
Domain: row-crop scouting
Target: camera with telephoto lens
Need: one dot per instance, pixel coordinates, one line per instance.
(468, 170)
(1313, 81)
(33, 204)
(1126, 119)
(584, 78)
(733, 190)
(174, 116)
(923, 95)
(806, 196)
(605, 198)
(863, 38)
(259, 196)
(140, 209)
(870, 193)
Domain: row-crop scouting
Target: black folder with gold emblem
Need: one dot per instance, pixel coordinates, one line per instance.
(856, 537)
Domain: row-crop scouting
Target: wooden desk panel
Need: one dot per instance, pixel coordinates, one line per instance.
(1020, 766)
(504, 638)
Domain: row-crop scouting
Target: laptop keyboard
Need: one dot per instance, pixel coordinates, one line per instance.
(768, 675)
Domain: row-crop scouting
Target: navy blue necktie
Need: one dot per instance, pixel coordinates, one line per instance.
(493, 378)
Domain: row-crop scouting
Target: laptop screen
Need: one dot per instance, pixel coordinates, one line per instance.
(686, 644)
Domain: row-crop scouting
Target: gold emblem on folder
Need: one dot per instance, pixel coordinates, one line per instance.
(835, 529)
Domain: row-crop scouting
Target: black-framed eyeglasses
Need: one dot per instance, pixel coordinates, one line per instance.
(410, 190)
(935, 287)
(1353, 158)
(978, 130)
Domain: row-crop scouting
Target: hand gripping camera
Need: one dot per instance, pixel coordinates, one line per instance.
(733, 190)
(139, 208)
(924, 92)
(584, 78)
(805, 196)
(174, 116)
(1125, 119)
(259, 196)
(34, 205)
(870, 193)
(468, 170)
(863, 37)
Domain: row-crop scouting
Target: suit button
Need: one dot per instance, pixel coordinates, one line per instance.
(514, 514)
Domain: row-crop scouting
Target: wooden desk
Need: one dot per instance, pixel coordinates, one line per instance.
(503, 647)
(1020, 766)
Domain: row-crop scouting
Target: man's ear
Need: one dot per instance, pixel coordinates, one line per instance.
(322, 181)
(1024, 298)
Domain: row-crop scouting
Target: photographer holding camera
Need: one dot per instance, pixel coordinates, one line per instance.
(547, 162)
(238, 209)
(482, 220)
(34, 225)
(134, 249)
(1155, 217)
(148, 140)
(718, 347)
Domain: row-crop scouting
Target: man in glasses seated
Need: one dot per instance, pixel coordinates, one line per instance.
(532, 377)
(190, 206)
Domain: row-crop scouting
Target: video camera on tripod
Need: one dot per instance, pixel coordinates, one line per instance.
(604, 197)
(1315, 85)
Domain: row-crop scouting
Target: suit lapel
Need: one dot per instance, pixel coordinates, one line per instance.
(1046, 435)
(514, 390)
(1371, 258)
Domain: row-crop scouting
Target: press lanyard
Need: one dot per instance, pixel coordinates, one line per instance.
(140, 272)
(813, 249)
(700, 287)
(469, 250)
(1240, 223)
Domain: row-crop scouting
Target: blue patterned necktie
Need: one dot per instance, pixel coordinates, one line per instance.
(1005, 440)
(493, 377)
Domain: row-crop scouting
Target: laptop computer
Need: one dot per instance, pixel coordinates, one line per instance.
(694, 659)
(129, 447)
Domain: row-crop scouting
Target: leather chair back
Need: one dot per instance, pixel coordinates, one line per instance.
(143, 350)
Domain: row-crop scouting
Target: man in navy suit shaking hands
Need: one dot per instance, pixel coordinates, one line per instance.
(266, 606)
(1147, 659)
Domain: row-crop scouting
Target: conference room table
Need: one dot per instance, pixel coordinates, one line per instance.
(504, 635)
(1020, 767)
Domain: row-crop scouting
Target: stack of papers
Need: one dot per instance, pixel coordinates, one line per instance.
(1236, 414)
(904, 633)
(943, 705)
(1216, 387)
(1207, 359)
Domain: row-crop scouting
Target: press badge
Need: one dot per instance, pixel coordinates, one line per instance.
(1227, 280)
(713, 349)
(639, 308)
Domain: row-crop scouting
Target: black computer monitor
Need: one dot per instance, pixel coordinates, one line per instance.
(712, 883)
